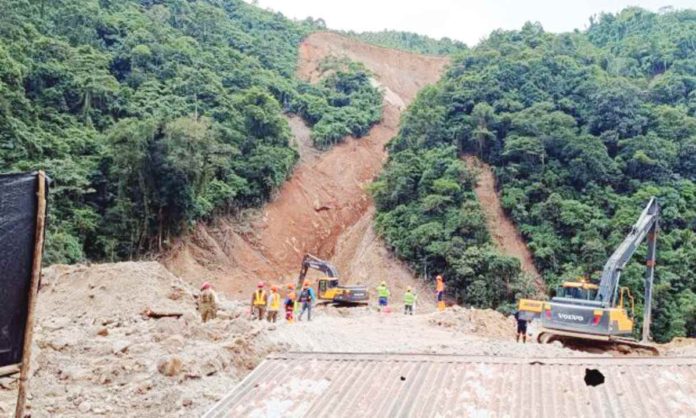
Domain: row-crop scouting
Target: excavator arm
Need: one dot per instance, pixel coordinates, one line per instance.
(310, 261)
(645, 227)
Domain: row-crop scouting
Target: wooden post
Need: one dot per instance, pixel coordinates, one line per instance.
(34, 289)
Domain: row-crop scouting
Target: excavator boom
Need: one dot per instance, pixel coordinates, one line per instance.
(611, 274)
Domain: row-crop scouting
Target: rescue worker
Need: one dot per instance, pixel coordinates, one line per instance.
(273, 304)
(440, 292)
(207, 302)
(290, 303)
(521, 326)
(259, 300)
(383, 295)
(409, 301)
(306, 299)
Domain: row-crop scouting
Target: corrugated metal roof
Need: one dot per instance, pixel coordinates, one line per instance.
(414, 385)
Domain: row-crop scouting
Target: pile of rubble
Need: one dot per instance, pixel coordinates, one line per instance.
(480, 322)
(125, 339)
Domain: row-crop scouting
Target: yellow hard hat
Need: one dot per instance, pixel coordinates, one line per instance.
(408, 289)
(384, 283)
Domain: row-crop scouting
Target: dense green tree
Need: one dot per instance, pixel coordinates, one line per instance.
(408, 41)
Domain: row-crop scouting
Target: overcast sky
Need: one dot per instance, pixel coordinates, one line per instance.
(464, 20)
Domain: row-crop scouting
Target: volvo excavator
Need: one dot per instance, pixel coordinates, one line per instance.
(328, 289)
(587, 311)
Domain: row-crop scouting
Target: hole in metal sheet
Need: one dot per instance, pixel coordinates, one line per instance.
(593, 377)
(403, 378)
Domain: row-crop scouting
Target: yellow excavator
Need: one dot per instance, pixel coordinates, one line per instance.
(587, 311)
(328, 289)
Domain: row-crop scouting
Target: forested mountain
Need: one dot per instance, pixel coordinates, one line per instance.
(582, 129)
(150, 115)
(408, 41)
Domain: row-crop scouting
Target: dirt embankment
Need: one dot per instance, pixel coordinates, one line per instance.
(501, 228)
(324, 208)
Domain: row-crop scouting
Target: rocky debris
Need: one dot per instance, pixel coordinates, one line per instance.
(91, 360)
(96, 354)
(474, 321)
(170, 366)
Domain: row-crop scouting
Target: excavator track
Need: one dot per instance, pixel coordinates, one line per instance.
(579, 340)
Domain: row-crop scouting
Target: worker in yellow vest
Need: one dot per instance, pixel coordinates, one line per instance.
(440, 292)
(273, 304)
(383, 295)
(409, 301)
(259, 300)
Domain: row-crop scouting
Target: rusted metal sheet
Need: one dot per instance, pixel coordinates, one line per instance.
(414, 385)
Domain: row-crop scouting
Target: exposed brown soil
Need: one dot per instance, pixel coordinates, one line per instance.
(501, 228)
(325, 199)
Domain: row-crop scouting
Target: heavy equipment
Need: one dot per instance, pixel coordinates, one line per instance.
(328, 289)
(583, 310)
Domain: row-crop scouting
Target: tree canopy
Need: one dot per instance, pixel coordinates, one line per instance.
(409, 41)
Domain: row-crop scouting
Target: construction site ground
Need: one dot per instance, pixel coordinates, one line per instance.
(125, 340)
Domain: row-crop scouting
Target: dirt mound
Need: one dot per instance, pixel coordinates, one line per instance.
(324, 200)
(95, 353)
(481, 322)
(501, 228)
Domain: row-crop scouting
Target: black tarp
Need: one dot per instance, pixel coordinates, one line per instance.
(18, 206)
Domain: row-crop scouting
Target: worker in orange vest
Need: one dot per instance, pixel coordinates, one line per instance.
(290, 303)
(207, 302)
(440, 292)
(259, 300)
(273, 304)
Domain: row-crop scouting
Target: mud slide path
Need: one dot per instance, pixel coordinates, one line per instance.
(324, 208)
(501, 228)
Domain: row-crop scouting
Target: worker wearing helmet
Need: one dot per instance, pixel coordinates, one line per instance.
(440, 292)
(409, 301)
(307, 298)
(290, 303)
(207, 302)
(383, 295)
(259, 300)
(273, 304)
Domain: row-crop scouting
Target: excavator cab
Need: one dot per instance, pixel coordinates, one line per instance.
(326, 288)
(581, 289)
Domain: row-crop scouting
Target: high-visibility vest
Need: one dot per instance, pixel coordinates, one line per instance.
(259, 298)
(382, 291)
(275, 301)
(409, 298)
(440, 287)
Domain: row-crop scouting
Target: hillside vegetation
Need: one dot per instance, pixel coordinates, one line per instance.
(151, 115)
(582, 129)
(408, 41)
